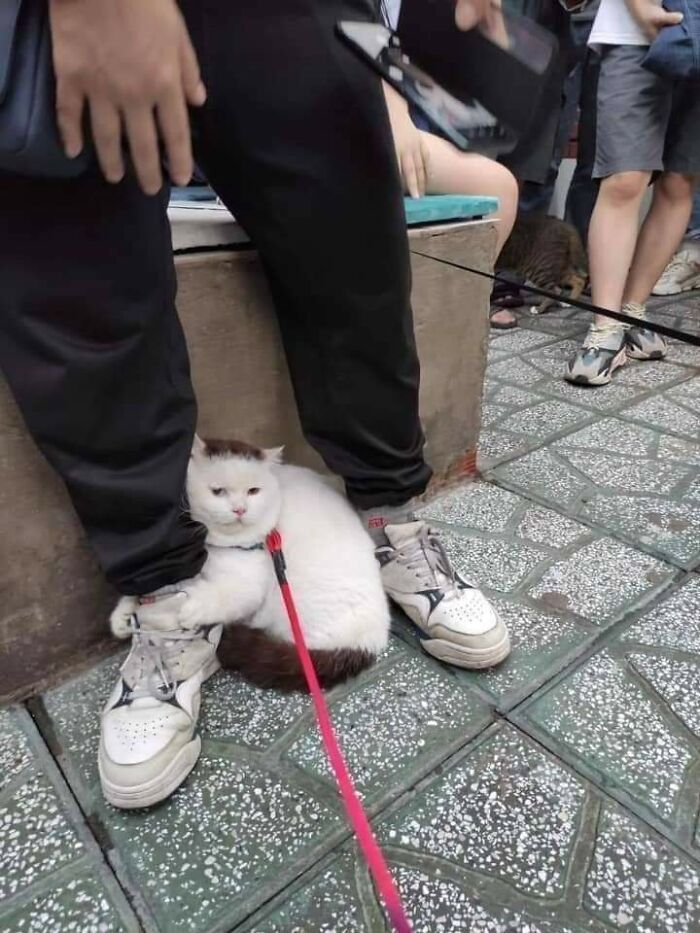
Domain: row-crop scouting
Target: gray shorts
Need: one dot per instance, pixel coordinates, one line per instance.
(644, 123)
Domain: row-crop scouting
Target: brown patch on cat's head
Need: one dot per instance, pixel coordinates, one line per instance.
(217, 447)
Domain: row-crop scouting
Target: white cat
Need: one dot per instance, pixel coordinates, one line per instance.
(241, 493)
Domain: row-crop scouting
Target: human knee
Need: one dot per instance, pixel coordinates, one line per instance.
(507, 190)
(676, 187)
(624, 187)
(505, 187)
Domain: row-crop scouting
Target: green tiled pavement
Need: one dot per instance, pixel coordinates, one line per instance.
(629, 716)
(261, 805)
(558, 793)
(506, 839)
(637, 482)
(52, 873)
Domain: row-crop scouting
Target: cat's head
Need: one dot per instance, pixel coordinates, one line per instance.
(233, 490)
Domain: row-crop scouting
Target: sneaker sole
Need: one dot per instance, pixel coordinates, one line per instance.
(637, 355)
(471, 658)
(604, 378)
(152, 792)
(138, 796)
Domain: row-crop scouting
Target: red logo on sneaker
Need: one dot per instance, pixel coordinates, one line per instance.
(376, 522)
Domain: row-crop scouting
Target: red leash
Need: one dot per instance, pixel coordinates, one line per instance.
(353, 806)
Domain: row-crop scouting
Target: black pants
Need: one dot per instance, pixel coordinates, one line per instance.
(295, 139)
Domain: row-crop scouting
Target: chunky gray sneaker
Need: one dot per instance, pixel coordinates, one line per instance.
(602, 352)
(643, 344)
(461, 626)
(148, 744)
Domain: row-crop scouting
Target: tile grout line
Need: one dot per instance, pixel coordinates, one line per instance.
(638, 546)
(376, 813)
(91, 828)
(618, 798)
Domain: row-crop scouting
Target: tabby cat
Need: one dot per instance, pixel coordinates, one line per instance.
(548, 253)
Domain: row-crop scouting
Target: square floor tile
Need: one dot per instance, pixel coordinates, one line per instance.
(601, 581)
(515, 370)
(15, 751)
(36, 837)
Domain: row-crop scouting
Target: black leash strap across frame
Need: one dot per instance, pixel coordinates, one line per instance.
(670, 332)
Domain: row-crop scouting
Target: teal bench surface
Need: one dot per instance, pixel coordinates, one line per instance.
(443, 208)
(432, 209)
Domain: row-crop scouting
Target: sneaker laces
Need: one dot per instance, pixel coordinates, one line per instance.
(154, 651)
(596, 336)
(428, 559)
(635, 310)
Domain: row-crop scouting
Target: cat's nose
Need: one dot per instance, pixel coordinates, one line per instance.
(239, 512)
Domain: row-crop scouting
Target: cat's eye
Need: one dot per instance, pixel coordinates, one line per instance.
(254, 490)
(217, 490)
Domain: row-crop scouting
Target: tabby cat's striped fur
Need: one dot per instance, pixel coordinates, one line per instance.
(548, 253)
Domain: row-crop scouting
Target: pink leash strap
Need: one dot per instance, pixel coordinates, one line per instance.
(353, 807)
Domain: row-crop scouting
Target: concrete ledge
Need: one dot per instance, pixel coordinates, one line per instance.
(237, 356)
(54, 601)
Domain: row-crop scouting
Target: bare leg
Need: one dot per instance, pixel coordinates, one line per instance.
(453, 172)
(613, 235)
(660, 235)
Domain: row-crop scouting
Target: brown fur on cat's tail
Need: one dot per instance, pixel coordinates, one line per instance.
(270, 663)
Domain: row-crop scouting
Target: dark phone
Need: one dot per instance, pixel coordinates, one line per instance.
(465, 122)
(506, 76)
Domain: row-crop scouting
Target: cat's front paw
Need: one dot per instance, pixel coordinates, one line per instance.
(120, 619)
(200, 608)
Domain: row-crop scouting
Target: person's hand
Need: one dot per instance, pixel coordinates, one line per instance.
(132, 64)
(652, 18)
(412, 156)
(411, 152)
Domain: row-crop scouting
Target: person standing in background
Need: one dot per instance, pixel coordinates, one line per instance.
(682, 274)
(579, 106)
(647, 131)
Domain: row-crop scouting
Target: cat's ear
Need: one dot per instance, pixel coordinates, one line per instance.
(198, 448)
(273, 455)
